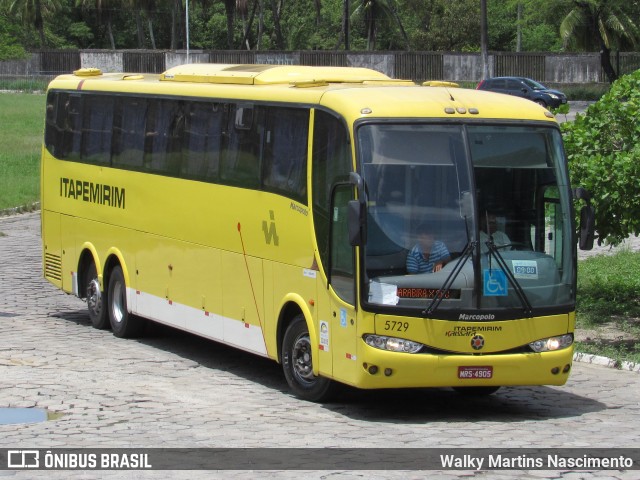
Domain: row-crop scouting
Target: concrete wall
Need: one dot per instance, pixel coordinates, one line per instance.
(381, 62)
(105, 60)
(460, 67)
(573, 68)
(464, 67)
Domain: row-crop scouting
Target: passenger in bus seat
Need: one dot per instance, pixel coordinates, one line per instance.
(489, 229)
(428, 255)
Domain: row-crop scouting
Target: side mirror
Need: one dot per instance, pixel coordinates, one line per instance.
(587, 219)
(587, 227)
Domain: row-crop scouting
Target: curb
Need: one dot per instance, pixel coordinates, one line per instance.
(606, 362)
(21, 209)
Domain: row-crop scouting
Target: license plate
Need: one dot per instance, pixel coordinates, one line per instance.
(475, 373)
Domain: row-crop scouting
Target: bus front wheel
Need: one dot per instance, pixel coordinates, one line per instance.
(297, 364)
(123, 323)
(95, 299)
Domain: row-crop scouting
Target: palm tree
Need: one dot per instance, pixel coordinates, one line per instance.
(603, 24)
(32, 13)
(484, 39)
(104, 9)
(345, 23)
(374, 11)
(145, 7)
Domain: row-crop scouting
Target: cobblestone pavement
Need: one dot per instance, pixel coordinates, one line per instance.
(171, 389)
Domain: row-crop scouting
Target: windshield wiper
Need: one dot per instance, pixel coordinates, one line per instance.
(493, 251)
(442, 291)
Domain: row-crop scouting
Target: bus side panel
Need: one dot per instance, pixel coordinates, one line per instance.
(243, 301)
(196, 280)
(69, 254)
(157, 263)
(299, 285)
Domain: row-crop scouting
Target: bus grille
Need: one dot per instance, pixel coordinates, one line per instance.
(53, 266)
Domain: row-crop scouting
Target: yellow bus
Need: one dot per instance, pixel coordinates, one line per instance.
(357, 229)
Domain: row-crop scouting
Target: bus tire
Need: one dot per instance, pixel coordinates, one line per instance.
(297, 364)
(96, 299)
(123, 323)
(476, 391)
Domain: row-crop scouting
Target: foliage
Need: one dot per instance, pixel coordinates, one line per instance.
(376, 24)
(442, 24)
(601, 25)
(603, 149)
(10, 47)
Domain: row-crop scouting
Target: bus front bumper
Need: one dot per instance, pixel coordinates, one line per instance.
(384, 369)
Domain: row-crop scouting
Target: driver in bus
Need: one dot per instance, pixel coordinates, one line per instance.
(490, 231)
(428, 255)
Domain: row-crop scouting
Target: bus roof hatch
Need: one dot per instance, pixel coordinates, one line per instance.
(271, 74)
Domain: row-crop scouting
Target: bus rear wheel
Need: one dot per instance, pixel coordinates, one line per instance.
(297, 363)
(123, 323)
(95, 299)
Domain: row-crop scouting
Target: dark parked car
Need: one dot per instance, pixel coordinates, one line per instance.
(526, 88)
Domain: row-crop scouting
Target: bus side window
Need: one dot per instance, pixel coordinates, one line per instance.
(96, 129)
(54, 123)
(240, 164)
(73, 127)
(285, 152)
(202, 141)
(165, 126)
(331, 164)
(129, 129)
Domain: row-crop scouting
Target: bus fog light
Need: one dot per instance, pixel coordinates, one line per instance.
(392, 344)
(552, 343)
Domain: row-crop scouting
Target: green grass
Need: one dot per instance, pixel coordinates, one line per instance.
(609, 304)
(20, 143)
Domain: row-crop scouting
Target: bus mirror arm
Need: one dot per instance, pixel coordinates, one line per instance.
(587, 219)
(356, 223)
(587, 227)
(357, 212)
(356, 180)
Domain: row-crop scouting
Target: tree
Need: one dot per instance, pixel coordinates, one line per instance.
(104, 9)
(484, 39)
(375, 11)
(603, 149)
(600, 24)
(145, 7)
(442, 25)
(10, 47)
(32, 13)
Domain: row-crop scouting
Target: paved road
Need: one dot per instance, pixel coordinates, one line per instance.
(171, 389)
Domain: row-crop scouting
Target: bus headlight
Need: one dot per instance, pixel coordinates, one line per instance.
(552, 343)
(392, 344)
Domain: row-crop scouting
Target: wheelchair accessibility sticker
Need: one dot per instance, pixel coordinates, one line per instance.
(495, 283)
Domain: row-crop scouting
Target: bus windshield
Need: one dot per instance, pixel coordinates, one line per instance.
(462, 218)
